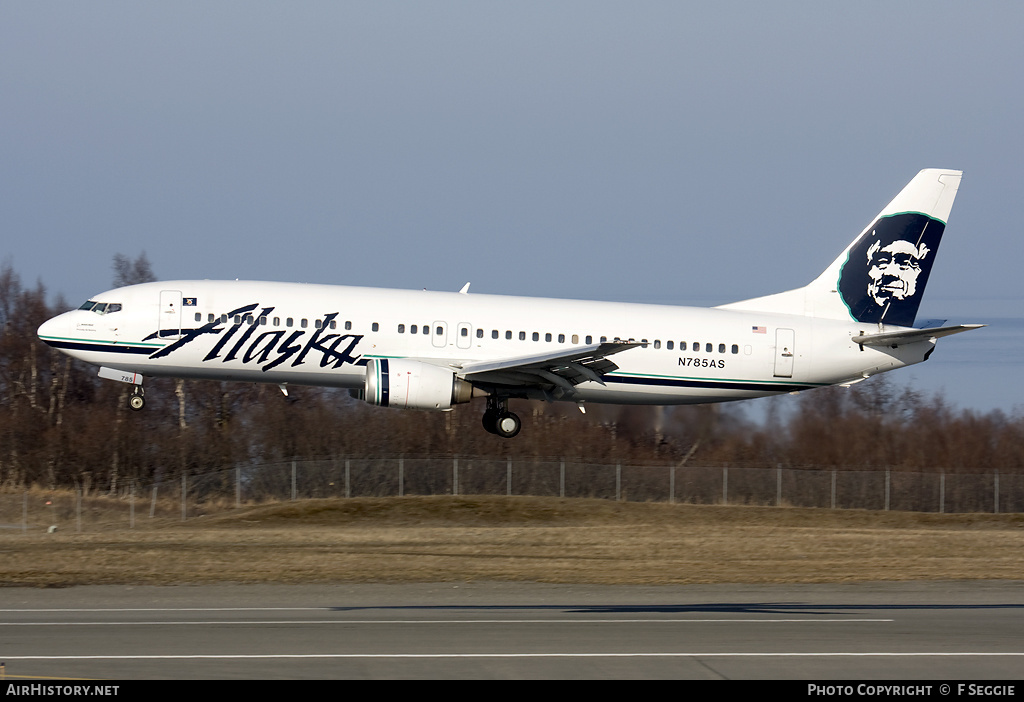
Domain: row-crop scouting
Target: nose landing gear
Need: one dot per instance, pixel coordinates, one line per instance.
(137, 400)
(498, 420)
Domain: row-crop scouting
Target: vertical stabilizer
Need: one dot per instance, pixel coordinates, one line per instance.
(881, 276)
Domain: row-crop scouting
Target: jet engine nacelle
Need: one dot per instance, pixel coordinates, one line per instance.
(413, 385)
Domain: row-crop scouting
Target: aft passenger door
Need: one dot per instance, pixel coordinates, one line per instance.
(785, 348)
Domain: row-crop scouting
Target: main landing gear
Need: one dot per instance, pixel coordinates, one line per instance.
(498, 420)
(137, 399)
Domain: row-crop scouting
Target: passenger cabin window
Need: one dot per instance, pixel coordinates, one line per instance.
(721, 348)
(413, 329)
(494, 333)
(669, 345)
(304, 323)
(289, 322)
(479, 333)
(348, 325)
(375, 326)
(401, 328)
(735, 348)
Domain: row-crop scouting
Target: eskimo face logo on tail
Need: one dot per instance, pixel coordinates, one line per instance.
(887, 269)
(894, 271)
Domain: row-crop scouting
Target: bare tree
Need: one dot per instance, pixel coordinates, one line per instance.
(129, 272)
(132, 272)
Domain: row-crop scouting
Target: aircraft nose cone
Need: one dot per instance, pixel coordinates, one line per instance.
(52, 328)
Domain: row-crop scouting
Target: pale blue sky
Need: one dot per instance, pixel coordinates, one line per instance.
(655, 151)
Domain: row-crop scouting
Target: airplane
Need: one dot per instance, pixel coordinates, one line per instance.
(423, 350)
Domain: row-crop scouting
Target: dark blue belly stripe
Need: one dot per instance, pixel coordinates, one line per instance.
(706, 384)
(103, 348)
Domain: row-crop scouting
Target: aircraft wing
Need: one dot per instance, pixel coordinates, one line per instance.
(910, 336)
(563, 369)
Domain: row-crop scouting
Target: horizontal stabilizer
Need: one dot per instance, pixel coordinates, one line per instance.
(911, 336)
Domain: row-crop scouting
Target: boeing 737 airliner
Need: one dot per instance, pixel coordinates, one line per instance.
(432, 350)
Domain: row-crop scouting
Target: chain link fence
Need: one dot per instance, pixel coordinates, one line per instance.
(192, 496)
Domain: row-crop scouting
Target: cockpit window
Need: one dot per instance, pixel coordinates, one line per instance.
(101, 307)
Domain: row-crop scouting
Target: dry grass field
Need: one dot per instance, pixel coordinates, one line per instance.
(430, 539)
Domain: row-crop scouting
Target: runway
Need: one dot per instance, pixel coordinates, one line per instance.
(909, 631)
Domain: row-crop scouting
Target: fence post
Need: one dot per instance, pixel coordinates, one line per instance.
(725, 485)
(348, 484)
(24, 512)
(996, 487)
(778, 484)
(131, 505)
(833, 488)
(401, 477)
(886, 489)
(672, 484)
(942, 492)
(508, 476)
(561, 478)
(455, 476)
(78, 510)
(618, 481)
(295, 484)
(238, 486)
(183, 508)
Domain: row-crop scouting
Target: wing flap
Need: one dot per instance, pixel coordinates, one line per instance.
(563, 369)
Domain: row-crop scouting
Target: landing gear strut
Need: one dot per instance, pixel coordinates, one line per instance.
(137, 399)
(498, 420)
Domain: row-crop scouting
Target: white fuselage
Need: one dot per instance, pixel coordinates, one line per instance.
(289, 333)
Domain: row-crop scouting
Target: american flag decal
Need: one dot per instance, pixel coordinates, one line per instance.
(188, 302)
(759, 330)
